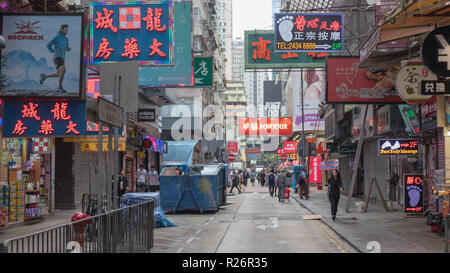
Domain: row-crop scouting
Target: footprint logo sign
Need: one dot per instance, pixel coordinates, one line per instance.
(414, 194)
(285, 26)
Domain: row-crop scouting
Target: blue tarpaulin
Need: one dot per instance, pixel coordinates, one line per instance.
(136, 198)
(180, 152)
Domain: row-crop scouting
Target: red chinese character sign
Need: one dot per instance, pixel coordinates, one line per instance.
(308, 32)
(260, 54)
(45, 118)
(141, 31)
(413, 184)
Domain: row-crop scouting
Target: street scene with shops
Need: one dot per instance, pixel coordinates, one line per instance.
(193, 126)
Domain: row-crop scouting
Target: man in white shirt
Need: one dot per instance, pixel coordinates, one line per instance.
(141, 178)
(153, 180)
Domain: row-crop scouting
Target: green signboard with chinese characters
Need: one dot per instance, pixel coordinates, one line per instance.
(260, 53)
(203, 71)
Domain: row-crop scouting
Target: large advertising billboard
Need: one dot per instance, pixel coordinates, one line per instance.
(260, 54)
(265, 126)
(312, 81)
(133, 31)
(349, 84)
(180, 74)
(316, 32)
(43, 55)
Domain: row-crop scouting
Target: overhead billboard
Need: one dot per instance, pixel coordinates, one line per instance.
(133, 31)
(260, 54)
(316, 32)
(180, 74)
(265, 126)
(43, 55)
(349, 84)
(313, 86)
(45, 118)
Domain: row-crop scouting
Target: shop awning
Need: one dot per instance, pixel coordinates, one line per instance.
(409, 22)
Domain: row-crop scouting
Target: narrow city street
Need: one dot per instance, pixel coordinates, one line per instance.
(252, 222)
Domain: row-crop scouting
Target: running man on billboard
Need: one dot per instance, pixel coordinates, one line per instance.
(58, 46)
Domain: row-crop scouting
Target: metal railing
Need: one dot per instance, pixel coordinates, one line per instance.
(129, 229)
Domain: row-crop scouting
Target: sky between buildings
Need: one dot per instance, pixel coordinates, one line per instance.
(251, 15)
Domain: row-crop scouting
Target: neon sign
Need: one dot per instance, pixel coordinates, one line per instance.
(141, 31)
(398, 146)
(413, 184)
(44, 118)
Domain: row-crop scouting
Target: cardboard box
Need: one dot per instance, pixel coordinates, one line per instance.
(12, 176)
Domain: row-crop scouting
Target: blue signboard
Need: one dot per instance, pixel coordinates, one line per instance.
(44, 118)
(181, 73)
(133, 31)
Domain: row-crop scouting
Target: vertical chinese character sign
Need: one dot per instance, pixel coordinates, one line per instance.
(203, 71)
(137, 31)
(308, 32)
(413, 193)
(45, 118)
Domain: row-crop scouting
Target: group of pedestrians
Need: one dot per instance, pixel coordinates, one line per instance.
(147, 181)
(277, 180)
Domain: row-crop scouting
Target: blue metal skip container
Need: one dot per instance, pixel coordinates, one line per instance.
(203, 189)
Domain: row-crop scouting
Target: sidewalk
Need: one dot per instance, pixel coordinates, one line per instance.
(394, 231)
(17, 230)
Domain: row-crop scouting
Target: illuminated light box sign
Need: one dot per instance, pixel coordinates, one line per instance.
(44, 118)
(290, 147)
(232, 147)
(398, 147)
(308, 32)
(413, 184)
(265, 126)
(180, 74)
(157, 145)
(260, 54)
(139, 31)
(38, 46)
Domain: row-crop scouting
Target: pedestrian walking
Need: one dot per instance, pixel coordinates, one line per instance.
(235, 182)
(246, 177)
(262, 177)
(153, 180)
(253, 177)
(271, 178)
(282, 184)
(241, 181)
(334, 191)
(141, 179)
(301, 184)
(277, 172)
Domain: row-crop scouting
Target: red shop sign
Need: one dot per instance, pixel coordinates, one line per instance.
(265, 126)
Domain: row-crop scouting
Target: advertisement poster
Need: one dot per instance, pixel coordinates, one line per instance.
(265, 126)
(43, 55)
(133, 31)
(348, 84)
(313, 94)
(308, 32)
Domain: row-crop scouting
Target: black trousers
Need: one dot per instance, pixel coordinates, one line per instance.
(334, 200)
(271, 188)
(235, 186)
(153, 188)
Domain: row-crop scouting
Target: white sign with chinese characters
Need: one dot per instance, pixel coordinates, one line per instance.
(408, 82)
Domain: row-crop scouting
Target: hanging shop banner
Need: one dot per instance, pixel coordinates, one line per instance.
(410, 118)
(259, 53)
(315, 174)
(308, 32)
(435, 88)
(329, 165)
(409, 82)
(265, 126)
(435, 51)
(37, 48)
(232, 147)
(44, 118)
(413, 184)
(203, 71)
(290, 147)
(133, 31)
(321, 148)
(146, 115)
(180, 74)
(109, 113)
(348, 84)
(398, 146)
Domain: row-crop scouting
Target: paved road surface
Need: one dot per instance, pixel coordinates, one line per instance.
(253, 222)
